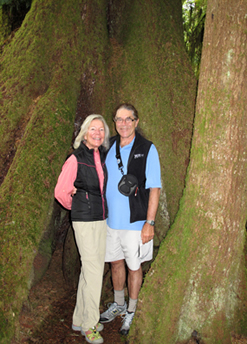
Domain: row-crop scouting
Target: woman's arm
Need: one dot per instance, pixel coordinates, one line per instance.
(64, 190)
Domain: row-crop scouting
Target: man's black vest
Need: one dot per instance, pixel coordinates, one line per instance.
(137, 166)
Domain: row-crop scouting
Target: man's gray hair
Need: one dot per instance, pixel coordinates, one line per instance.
(84, 129)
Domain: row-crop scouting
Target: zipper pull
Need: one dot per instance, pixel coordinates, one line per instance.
(136, 190)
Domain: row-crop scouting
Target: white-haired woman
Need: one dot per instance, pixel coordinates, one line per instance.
(81, 188)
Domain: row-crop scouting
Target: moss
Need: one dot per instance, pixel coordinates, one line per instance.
(62, 49)
(146, 54)
(5, 27)
(41, 78)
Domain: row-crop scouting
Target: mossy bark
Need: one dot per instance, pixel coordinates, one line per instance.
(70, 59)
(149, 68)
(5, 27)
(198, 280)
(42, 73)
(146, 50)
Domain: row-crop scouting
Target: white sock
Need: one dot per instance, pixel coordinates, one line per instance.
(119, 297)
(132, 305)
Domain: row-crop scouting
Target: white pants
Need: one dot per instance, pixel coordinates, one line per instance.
(90, 239)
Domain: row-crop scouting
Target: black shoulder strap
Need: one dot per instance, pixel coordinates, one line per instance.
(118, 155)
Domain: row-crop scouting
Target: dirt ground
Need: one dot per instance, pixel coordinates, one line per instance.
(46, 317)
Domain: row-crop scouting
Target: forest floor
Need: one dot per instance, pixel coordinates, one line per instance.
(46, 318)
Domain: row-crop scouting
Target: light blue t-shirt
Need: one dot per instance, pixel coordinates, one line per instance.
(118, 204)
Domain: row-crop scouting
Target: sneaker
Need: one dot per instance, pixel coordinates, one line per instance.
(112, 312)
(99, 327)
(93, 336)
(124, 330)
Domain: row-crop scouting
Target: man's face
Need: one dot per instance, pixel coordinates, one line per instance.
(126, 124)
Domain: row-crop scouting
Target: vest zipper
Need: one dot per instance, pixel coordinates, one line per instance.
(87, 198)
(103, 205)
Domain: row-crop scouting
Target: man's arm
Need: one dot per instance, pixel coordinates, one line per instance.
(147, 232)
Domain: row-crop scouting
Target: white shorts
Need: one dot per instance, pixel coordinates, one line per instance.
(126, 244)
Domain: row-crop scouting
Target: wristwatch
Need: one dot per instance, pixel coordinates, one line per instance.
(151, 222)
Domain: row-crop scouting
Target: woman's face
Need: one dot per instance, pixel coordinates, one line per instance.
(95, 135)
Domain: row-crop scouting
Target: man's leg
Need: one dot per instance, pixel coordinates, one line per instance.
(118, 274)
(134, 282)
(118, 307)
(134, 286)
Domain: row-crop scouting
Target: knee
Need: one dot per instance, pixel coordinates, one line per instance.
(135, 272)
(119, 264)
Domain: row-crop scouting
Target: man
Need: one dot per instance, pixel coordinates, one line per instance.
(130, 224)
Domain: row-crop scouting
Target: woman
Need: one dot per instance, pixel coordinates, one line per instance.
(81, 188)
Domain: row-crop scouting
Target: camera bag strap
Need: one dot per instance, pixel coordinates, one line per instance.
(118, 156)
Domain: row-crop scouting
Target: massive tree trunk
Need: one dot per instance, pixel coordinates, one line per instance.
(149, 67)
(198, 280)
(57, 54)
(70, 59)
(147, 63)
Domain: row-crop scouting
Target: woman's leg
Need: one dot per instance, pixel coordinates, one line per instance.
(90, 239)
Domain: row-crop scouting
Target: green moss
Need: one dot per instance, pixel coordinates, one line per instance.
(42, 74)
(147, 69)
(60, 50)
(5, 27)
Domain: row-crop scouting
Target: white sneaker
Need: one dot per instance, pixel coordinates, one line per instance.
(112, 312)
(124, 330)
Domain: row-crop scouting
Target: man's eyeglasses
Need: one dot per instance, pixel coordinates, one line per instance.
(127, 120)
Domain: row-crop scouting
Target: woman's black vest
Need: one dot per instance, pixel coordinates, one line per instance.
(137, 166)
(88, 203)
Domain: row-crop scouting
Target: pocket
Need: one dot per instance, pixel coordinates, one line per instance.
(88, 201)
(139, 205)
(140, 250)
(81, 205)
(146, 252)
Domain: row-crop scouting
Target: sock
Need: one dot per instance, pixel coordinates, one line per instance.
(132, 305)
(119, 297)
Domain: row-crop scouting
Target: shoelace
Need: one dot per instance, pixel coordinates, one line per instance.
(109, 306)
(127, 318)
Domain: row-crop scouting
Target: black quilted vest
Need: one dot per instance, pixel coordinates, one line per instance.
(137, 165)
(88, 203)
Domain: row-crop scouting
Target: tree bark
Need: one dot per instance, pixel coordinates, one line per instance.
(150, 68)
(70, 59)
(198, 281)
(58, 53)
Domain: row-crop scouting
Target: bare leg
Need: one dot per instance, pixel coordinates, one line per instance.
(134, 282)
(134, 285)
(118, 274)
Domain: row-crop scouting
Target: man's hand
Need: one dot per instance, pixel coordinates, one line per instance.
(74, 191)
(147, 233)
